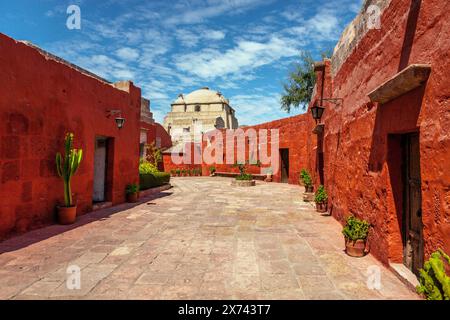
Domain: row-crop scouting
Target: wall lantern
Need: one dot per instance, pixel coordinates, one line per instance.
(120, 121)
(317, 112)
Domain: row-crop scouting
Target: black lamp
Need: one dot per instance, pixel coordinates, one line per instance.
(120, 122)
(317, 112)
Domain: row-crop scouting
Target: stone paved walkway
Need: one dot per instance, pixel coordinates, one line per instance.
(203, 239)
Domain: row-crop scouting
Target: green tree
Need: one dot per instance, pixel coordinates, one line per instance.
(299, 89)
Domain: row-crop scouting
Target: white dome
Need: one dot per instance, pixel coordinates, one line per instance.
(201, 96)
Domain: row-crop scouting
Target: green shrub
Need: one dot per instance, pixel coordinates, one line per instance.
(172, 172)
(434, 282)
(178, 172)
(306, 178)
(152, 180)
(132, 189)
(212, 169)
(146, 167)
(321, 195)
(356, 229)
(245, 176)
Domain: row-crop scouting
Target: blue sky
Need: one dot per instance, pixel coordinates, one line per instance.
(243, 48)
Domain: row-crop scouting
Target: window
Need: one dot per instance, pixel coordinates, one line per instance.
(198, 108)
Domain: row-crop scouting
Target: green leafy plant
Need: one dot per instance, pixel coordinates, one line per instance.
(321, 195)
(183, 172)
(178, 172)
(132, 189)
(68, 166)
(172, 172)
(244, 177)
(146, 167)
(306, 178)
(356, 229)
(434, 282)
(212, 170)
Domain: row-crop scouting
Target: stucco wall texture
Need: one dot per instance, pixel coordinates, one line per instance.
(358, 157)
(361, 161)
(42, 99)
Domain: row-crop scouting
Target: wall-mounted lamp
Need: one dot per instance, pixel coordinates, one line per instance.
(120, 121)
(317, 112)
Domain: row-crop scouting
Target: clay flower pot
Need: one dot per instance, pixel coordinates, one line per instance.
(67, 215)
(355, 248)
(322, 207)
(309, 189)
(132, 197)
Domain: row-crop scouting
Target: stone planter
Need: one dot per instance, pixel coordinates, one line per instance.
(355, 248)
(322, 207)
(243, 183)
(308, 196)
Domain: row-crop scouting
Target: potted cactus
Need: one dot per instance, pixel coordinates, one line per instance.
(132, 192)
(66, 168)
(355, 233)
(321, 200)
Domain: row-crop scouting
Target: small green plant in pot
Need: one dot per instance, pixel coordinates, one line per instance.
(355, 233)
(303, 173)
(321, 199)
(178, 172)
(212, 171)
(172, 172)
(434, 281)
(307, 182)
(66, 167)
(132, 192)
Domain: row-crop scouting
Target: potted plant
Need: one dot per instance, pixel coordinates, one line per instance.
(355, 233)
(132, 192)
(307, 182)
(178, 172)
(66, 168)
(172, 172)
(212, 171)
(303, 173)
(183, 172)
(269, 175)
(321, 199)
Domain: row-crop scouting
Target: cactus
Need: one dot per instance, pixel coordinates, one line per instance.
(67, 167)
(434, 282)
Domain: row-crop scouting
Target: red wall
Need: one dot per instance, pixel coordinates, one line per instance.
(361, 153)
(40, 100)
(293, 135)
(189, 165)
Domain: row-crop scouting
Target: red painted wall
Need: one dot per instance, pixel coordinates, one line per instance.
(169, 164)
(40, 100)
(361, 152)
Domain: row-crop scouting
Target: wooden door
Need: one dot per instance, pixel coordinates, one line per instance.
(284, 155)
(413, 227)
(100, 164)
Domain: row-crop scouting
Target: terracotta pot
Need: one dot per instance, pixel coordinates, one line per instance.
(67, 215)
(309, 189)
(355, 248)
(132, 197)
(322, 207)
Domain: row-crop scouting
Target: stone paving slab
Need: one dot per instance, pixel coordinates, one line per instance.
(203, 239)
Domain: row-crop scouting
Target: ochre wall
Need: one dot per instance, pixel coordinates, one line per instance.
(361, 151)
(40, 100)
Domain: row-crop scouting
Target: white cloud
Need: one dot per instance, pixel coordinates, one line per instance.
(244, 57)
(212, 8)
(128, 54)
